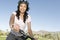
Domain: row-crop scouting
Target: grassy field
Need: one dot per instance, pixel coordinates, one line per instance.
(36, 36)
(43, 35)
(40, 38)
(2, 38)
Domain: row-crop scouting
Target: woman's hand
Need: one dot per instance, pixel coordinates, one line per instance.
(16, 27)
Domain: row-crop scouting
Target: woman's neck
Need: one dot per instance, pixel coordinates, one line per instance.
(21, 14)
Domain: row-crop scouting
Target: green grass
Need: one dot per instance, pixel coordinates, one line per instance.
(2, 38)
(40, 38)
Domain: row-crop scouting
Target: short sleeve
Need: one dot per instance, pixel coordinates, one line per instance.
(29, 18)
(14, 13)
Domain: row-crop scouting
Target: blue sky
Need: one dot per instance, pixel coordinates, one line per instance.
(45, 14)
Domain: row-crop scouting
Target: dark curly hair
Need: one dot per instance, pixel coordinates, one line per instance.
(25, 14)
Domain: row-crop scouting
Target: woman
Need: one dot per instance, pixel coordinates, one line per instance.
(19, 19)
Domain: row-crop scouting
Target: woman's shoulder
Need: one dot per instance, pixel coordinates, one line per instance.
(14, 13)
(29, 18)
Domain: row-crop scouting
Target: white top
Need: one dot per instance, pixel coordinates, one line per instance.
(20, 22)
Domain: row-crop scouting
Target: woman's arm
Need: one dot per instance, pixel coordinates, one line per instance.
(29, 29)
(11, 22)
(13, 25)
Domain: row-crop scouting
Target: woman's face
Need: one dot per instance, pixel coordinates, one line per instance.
(22, 7)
